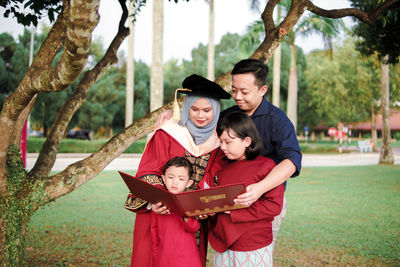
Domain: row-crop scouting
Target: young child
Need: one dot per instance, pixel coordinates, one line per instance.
(243, 237)
(173, 237)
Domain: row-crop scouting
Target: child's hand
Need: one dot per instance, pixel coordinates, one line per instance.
(158, 208)
(253, 193)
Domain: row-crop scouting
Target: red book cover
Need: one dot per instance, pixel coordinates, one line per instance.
(187, 204)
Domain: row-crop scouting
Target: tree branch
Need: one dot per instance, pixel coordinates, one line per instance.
(366, 17)
(83, 18)
(49, 151)
(82, 171)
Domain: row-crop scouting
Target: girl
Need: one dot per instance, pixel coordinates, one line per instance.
(243, 237)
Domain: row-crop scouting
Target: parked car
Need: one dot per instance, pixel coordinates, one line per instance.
(83, 134)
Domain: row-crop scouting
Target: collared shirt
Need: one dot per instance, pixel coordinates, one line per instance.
(277, 133)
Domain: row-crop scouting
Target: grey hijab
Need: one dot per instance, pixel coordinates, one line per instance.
(199, 134)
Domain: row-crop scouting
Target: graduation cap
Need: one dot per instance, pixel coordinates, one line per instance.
(202, 86)
(195, 84)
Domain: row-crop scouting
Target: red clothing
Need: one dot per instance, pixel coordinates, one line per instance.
(174, 241)
(160, 148)
(251, 228)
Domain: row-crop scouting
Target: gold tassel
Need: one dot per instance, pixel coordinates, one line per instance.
(176, 111)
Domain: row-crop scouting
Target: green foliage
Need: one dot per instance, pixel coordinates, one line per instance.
(383, 36)
(16, 208)
(30, 12)
(14, 60)
(35, 144)
(342, 90)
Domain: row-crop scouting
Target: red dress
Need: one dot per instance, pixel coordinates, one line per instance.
(174, 241)
(251, 228)
(161, 147)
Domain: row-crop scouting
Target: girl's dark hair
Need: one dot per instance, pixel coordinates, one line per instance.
(243, 126)
(179, 162)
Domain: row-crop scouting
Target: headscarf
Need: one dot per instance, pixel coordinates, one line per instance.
(199, 134)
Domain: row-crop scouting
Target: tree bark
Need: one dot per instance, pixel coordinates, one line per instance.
(386, 156)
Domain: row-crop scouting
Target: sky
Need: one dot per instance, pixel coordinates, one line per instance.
(185, 25)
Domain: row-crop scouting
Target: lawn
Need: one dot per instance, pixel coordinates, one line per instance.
(84, 146)
(337, 216)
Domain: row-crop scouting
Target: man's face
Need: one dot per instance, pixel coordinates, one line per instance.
(246, 93)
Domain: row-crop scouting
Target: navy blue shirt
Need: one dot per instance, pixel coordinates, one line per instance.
(277, 133)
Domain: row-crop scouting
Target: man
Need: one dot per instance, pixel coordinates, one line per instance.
(280, 142)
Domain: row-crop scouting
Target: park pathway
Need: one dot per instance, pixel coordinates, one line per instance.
(131, 161)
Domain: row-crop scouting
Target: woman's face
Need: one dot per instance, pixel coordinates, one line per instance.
(201, 113)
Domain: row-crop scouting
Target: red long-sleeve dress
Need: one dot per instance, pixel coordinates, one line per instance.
(246, 229)
(170, 141)
(174, 242)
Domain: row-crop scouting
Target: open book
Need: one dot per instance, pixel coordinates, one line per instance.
(188, 204)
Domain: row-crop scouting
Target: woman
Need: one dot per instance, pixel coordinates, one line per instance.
(194, 138)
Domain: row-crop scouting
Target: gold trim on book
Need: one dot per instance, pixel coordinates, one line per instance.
(214, 210)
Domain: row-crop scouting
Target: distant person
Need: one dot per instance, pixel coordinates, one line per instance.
(173, 237)
(193, 136)
(243, 237)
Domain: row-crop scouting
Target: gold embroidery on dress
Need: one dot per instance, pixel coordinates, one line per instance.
(199, 165)
(133, 203)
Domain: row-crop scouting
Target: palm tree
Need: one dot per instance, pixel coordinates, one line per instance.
(211, 48)
(156, 79)
(276, 82)
(329, 28)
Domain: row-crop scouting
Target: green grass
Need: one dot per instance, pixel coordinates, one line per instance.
(337, 216)
(85, 146)
(35, 144)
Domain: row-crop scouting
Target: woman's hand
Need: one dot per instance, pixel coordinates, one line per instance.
(253, 193)
(158, 208)
(164, 116)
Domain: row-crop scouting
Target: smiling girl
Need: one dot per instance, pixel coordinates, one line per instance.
(243, 237)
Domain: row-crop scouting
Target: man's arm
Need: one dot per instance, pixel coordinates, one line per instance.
(278, 175)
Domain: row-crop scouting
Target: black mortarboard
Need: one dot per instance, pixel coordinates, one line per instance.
(203, 86)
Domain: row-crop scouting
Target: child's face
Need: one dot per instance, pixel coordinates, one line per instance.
(234, 147)
(176, 179)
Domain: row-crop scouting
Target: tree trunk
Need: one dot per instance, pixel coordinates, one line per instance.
(129, 101)
(374, 135)
(211, 48)
(292, 90)
(276, 85)
(156, 79)
(386, 156)
(16, 209)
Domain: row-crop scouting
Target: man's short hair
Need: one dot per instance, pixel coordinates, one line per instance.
(259, 70)
(179, 162)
